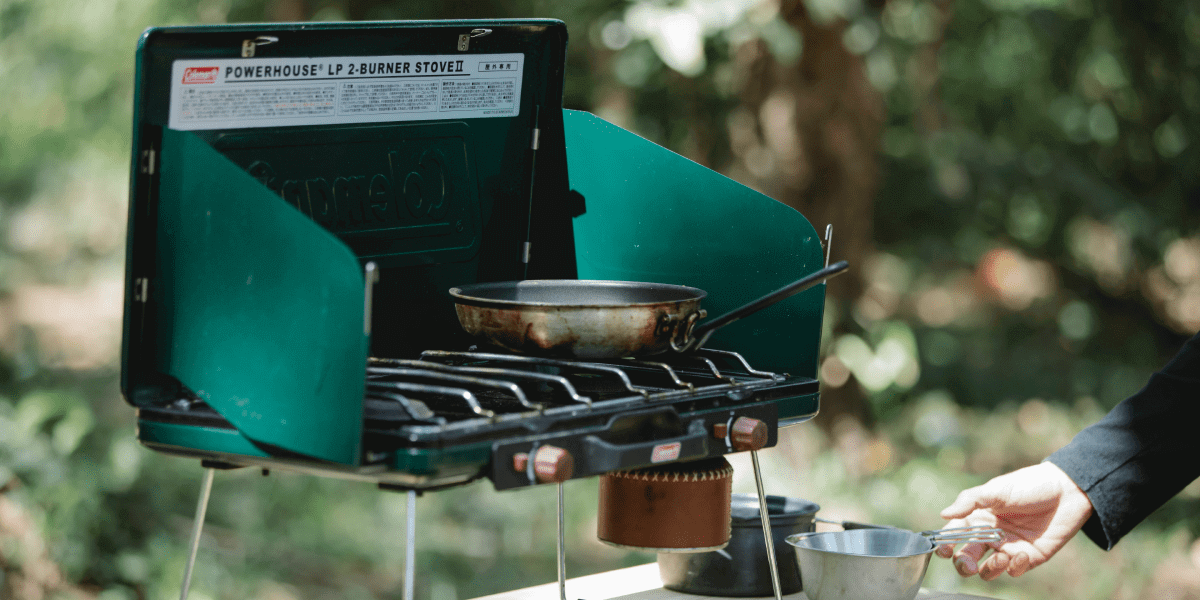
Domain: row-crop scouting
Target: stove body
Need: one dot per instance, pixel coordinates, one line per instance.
(302, 198)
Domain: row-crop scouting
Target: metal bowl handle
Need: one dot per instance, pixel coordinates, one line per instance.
(960, 535)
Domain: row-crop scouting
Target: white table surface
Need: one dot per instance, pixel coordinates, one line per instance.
(642, 583)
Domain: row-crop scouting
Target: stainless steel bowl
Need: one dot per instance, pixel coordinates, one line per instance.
(880, 564)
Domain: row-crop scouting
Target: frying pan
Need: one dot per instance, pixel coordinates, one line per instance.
(595, 319)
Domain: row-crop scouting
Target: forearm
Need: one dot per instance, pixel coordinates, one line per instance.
(1129, 463)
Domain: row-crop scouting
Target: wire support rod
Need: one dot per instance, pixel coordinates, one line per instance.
(828, 242)
(716, 372)
(766, 523)
(548, 362)
(466, 395)
(562, 382)
(670, 372)
(506, 386)
(533, 145)
(742, 360)
(197, 528)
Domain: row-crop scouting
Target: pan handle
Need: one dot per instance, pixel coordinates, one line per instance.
(702, 332)
(682, 334)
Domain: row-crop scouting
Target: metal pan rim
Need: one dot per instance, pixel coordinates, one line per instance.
(796, 541)
(665, 550)
(466, 294)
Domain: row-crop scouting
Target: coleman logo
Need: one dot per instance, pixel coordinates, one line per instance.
(200, 74)
(665, 452)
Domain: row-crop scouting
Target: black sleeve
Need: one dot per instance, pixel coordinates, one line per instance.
(1142, 453)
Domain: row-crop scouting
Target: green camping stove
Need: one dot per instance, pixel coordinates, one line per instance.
(304, 195)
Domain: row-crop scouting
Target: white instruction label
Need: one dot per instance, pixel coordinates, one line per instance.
(277, 92)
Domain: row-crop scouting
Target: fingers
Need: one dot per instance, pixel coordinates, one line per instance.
(1020, 565)
(983, 496)
(947, 550)
(994, 566)
(1016, 557)
(966, 559)
(1000, 562)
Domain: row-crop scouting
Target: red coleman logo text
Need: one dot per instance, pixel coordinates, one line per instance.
(200, 74)
(665, 452)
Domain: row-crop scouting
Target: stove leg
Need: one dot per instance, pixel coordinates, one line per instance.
(197, 526)
(766, 523)
(410, 549)
(562, 549)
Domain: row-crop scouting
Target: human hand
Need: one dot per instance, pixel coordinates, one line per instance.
(1039, 508)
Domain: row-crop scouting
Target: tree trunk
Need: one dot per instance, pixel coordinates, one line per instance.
(817, 126)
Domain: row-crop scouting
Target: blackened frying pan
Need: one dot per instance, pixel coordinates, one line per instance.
(601, 319)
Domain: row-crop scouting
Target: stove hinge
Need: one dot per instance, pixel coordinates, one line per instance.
(250, 46)
(141, 295)
(146, 168)
(141, 289)
(143, 263)
(147, 164)
(464, 40)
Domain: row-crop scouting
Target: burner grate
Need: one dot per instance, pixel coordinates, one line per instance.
(445, 387)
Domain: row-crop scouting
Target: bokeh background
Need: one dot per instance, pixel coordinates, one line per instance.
(1015, 181)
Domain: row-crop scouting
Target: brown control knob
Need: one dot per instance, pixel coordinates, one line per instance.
(748, 434)
(552, 464)
(520, 462)
(720, 430)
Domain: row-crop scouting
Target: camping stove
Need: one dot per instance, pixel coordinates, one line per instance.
(304, 195)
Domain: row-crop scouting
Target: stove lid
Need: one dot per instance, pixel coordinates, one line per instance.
(412, 142)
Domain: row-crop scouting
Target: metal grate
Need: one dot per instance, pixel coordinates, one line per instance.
(444, 387)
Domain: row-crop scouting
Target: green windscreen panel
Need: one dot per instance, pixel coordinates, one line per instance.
(259, 310)
(652, 215)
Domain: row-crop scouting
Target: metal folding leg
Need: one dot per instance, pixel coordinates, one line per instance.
(410, 546)
(562, 550)
(197, 527)
(766, 523)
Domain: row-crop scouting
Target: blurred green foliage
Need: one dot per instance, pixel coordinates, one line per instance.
(1034, 258)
